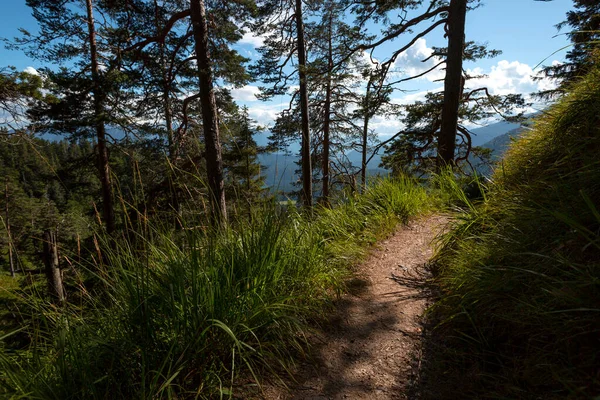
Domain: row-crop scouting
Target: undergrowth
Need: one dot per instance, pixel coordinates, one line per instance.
(185, 314)
(519, 274)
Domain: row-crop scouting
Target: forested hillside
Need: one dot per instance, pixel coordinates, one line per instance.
(157, 241)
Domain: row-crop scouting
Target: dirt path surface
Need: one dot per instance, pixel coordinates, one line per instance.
(370, 348)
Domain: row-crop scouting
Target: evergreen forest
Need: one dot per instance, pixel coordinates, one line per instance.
(152, 245)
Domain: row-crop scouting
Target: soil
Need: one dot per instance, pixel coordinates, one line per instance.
(371, 347)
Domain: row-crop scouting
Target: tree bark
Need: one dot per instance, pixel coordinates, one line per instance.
(327, 119)
(307, 194)
(11, 261)
(165, 86)
(53, 273)
(365, 134)
(452, 83)
(99, 100)
(210, 119)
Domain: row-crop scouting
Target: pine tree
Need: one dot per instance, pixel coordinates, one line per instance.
(82, 92)
(282, 24)
(18, 91)
(240, 154)
(584, 22)
(212, 32)
(441, 116)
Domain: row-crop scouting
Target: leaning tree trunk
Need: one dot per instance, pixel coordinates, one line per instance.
(307, 195)
(210, 119)
(99, 99)
(53, 273)
(453, 82)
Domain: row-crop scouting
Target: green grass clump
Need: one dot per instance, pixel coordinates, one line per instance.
(520, 274)
(196, 314)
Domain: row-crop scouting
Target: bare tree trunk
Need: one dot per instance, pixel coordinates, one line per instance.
(165, 86)
(327, 122)
(78, 248)
(11, 261)
(307, 193)
(247, 150)
(210, 118)
(53, 273)
(99, 99)
(365, 136)
(452, 83)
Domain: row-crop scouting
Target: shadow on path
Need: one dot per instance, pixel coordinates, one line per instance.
(370, 348)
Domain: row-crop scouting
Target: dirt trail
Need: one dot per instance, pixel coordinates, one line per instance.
(370, 348)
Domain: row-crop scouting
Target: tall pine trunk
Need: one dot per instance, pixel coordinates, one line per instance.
(99, 100)
(307, 194)
(453, 82)
(210, 120)
(327, 120)
(365, 137)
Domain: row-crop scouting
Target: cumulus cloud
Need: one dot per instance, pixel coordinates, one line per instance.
(31, 70)
(412, 62)
(263, 113)
(251, 39)
(246, 93)
(508, 77)
(385, 125)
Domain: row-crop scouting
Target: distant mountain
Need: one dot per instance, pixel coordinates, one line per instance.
(500, 144)
(281, 171)
(487, 133)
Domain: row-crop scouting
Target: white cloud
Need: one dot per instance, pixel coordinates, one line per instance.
(412, 62)
(264, 113)
(414, 97)
(385, 125)
(246, 93)
(509, 78)
(251, 39)
(31, 70)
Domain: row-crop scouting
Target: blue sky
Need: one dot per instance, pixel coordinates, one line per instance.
(523, 29)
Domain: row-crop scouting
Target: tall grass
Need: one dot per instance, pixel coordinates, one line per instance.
(520, 274)
(187, 315)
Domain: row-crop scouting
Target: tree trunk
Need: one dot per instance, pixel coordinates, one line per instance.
(165, 86)
(307, 195)
(247, 151)
(210, 119)
(53, 273)
(99, 99)
(452, 82)
(327, 122)
(173, 145)
(365, 134)
(11, 261)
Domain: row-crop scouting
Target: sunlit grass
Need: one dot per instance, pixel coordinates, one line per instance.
(185, 314)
